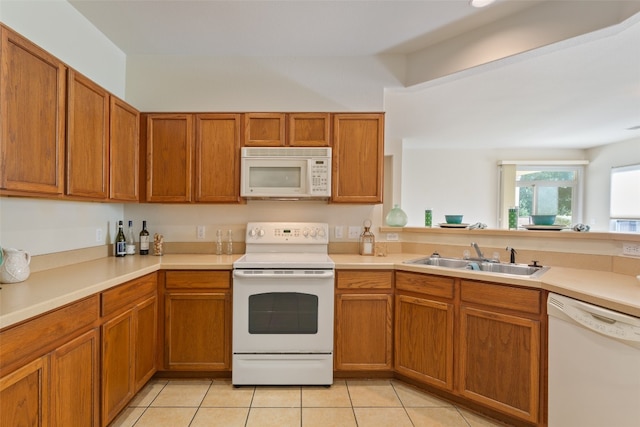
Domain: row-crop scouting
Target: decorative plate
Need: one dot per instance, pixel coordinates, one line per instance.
(555, 227)
(447, 225)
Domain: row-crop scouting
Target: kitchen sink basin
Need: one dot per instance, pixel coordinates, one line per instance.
(489, 267)
(518, 269)
(441, 262)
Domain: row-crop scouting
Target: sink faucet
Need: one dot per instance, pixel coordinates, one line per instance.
(478, 251)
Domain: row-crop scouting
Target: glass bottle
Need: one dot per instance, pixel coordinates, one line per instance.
(219, 242)
(367, 240)
(396, 217)
(120, 245)
(229, 242)
(144, 239)
(131, 241)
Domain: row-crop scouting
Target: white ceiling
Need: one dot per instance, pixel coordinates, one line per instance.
(577, 95)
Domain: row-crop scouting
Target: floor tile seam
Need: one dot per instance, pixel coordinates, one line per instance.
(353, 410)
(463, 417)
(136, 420)
(157, 394)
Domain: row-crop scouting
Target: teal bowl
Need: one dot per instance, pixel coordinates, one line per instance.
(543, 219)
(453, 219)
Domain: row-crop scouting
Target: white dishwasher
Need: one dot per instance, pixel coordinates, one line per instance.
(594, 365)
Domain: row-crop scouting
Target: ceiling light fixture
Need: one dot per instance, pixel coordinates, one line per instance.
(481, 3)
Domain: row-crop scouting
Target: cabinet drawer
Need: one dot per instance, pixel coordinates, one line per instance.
(39, 335)
(362, 279)
(502, 296)
(126, 294)
(425, 284)
(198, 279)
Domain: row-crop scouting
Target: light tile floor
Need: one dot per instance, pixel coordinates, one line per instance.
(362, 403)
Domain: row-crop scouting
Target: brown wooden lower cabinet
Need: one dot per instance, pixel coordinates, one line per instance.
(129, 342)
(424, 340)
(75, 379)
(197, 321)
(24, 395)
(480, 341)
(364, 321)
(49, 368)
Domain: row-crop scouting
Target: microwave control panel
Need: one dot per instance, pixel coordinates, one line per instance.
(320, 176)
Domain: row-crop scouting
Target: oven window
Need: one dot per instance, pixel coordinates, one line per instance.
(283, 313)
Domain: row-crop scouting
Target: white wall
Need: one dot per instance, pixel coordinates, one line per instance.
(60, 29)
(459, 181)
(195, 83)
(45, 226)
(598, 182)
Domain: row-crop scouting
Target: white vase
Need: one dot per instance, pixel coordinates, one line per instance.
(15, 266)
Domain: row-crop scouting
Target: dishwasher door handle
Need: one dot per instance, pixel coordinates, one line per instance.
(603, 318)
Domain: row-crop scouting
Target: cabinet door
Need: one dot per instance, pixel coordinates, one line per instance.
(32, 108)
(24, 395)
(146, 332)
(75, 382)
(218, 157)
(87, 138)
(500, 361)
(117, 364)
(264, 129)
(124, 137)
(363, 332)
(358, 155)
(424, 340)
(198, 331)
(169, 157)
(309, 129)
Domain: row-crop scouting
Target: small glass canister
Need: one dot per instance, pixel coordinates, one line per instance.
(513, 218)
(367, 240)
(158, 244)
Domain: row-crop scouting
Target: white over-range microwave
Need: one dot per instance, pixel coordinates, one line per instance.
(286, 172)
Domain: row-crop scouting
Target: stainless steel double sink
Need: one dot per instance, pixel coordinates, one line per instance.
(481, 265)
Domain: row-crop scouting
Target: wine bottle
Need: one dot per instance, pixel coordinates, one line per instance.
(144, 239)
(121, 242)
(131, 241)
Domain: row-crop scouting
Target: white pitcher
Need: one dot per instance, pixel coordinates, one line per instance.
(15, 267)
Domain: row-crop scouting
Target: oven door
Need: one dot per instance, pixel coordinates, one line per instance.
(283, 311)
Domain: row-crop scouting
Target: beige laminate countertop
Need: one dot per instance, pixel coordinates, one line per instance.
(49, 289)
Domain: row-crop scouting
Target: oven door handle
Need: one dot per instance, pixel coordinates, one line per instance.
(283, 274)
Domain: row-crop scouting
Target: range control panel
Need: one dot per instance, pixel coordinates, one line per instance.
(287, 233)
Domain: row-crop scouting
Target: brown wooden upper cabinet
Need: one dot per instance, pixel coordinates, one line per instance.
(192, 157)
(309, 129)
(287, 129)
(217, 158)
(264, 129)
(169, 157)
(124, 148)
(358, 154)
(87, 138)
(32, 109)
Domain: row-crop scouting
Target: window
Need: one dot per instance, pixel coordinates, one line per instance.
(625, 199)
(542, 188)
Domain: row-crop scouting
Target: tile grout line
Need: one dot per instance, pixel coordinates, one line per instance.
(401, 402)
(200, 404)
(146, 408)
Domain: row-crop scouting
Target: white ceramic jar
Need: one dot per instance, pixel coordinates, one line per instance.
(15, 266)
